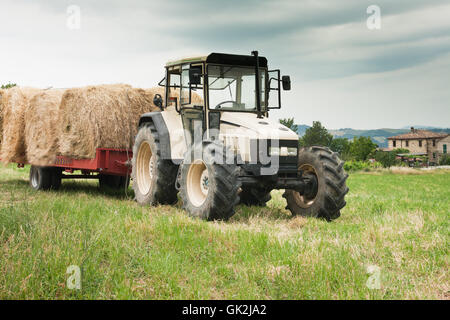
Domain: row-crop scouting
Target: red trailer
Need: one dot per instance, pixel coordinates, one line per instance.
(111, 166)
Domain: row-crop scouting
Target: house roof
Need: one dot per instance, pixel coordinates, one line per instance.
(419, 134)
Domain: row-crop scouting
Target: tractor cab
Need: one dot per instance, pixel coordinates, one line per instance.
(219, 86)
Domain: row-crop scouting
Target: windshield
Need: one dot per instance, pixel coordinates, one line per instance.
(233, 88)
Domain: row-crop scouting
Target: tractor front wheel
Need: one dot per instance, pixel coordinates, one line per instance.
(324, 197)
(209, 186)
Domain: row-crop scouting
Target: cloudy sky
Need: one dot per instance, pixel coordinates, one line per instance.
(344, 74)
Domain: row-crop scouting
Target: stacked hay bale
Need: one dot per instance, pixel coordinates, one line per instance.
(1, 117)
(41, 122)
(103, 116)
(15, 101)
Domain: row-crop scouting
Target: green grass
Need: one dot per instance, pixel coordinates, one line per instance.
(398, 222)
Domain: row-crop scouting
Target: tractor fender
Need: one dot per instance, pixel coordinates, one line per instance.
(157, 120)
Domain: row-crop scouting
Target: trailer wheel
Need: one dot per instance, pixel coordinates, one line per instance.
(113, 182)
(208, 186)
(325, 198)
(40, 178)
(153, 177)
(56, 178)
(254, 196)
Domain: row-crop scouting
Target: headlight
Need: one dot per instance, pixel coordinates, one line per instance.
(292, 151)
(274, 151)
(283, 151)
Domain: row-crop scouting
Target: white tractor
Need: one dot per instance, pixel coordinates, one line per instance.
(213, 142)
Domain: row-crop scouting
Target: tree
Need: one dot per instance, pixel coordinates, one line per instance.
(290, 124)
(340, 145)
(8, 85)
(386, 158)
(317, 135)
(361, 148)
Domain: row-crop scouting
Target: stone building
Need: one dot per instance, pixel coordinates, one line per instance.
(422, 142)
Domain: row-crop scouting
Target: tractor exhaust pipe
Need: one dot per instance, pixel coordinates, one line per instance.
(258, 89)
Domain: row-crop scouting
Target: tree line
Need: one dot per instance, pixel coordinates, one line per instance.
(7, 86)
(358, 149)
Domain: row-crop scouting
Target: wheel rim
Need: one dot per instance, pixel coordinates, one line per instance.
(307, 200)
(144, 168)
(197, 183)
(35, 178)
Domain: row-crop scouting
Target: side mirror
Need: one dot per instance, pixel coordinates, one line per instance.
(158, 101)
(286, 80)
(195, 76)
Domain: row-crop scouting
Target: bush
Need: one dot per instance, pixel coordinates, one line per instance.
(385, 158)
(444, 161)
(353, 166)
(400, 151)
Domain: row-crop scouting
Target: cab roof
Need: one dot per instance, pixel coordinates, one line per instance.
(221, 58)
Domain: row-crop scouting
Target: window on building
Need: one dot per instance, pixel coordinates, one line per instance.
(394, 144)
(444, 147)
(434, 155)
(420, 143)
(407, 143)
(434, 143)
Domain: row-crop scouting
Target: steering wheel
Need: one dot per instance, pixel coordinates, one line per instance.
(219, 106)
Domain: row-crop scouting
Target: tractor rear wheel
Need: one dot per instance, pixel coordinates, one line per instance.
(325, 197)
(254, 196)
(153, 177)
(208, 185)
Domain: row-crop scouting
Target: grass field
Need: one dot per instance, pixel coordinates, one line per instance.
(398, 223)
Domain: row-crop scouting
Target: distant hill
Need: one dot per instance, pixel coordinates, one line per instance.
(378, 136)
(302, 129)
(423, 127)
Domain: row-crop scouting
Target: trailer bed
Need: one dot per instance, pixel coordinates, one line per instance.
(112, 167)
(106, 161)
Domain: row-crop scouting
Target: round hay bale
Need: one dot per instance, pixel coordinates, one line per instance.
(41, 120)
(15, 103)
(104, 116)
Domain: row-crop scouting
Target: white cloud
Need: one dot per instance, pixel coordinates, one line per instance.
(388, 99)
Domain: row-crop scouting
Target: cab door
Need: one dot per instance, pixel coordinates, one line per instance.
(192, 106)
